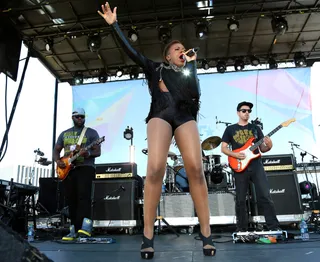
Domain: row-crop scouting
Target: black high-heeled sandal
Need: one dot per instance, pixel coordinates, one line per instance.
(208, 241)
(147, 243)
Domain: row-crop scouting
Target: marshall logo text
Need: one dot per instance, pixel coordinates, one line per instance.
(271, 162)
(277, 191)
(113, 169)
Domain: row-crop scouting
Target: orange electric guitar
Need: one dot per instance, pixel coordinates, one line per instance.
(63, 172)
(248, 149)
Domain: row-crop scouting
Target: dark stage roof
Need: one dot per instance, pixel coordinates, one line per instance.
(66, 26)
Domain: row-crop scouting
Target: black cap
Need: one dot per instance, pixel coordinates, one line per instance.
(244, 103)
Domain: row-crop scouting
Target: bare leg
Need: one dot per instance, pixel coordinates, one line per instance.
(159, 134)
(188, 141)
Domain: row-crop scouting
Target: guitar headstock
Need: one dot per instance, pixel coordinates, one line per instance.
(288, 122)
(100, 140)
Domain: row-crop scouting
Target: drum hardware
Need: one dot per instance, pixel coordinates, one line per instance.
(170, 154)
(211, 142)
(170, 180)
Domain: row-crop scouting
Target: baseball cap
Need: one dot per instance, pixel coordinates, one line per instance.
(244, 103)
(78, 112)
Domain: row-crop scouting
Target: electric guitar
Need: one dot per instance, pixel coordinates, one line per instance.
(63, 172)
(239, 165)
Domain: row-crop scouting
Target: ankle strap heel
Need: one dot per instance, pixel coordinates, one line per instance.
(147, 243)
(210, 251)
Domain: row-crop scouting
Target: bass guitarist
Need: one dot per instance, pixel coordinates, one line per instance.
(236, 136)
(77, 184)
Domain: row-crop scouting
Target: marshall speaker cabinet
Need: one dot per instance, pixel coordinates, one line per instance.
(285, 193)
(116, 170)
(115, 203)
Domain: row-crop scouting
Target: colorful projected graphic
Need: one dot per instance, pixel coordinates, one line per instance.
(277, 95)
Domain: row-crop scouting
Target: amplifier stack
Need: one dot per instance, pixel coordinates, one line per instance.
(284, 188)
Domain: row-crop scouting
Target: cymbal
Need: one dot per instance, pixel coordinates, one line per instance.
(170, 154)
(211, 143)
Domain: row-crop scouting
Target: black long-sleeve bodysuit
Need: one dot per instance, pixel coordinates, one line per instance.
(179, 105)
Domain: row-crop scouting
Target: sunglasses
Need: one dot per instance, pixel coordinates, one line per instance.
(79, 116)
(245, 110)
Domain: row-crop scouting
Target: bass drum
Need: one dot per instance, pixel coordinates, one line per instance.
(181, 180)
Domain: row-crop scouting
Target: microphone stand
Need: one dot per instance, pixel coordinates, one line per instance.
(294, 155)
(222, 122)
(315, 170)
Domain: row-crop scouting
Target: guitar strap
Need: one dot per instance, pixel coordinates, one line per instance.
(81, 136)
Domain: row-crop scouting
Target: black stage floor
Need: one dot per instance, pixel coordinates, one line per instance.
(185, 248)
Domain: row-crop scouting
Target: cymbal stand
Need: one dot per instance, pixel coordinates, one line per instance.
(305, 172)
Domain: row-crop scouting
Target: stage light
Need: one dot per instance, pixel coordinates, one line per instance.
(133, 34)
(119, 72)
(205, 64)
(164, 34)
(254, 60)
(272, 63)
(128, 133)
(279, 25)
(103, 77)
(94, 43)
(299, 59)
(78, 79)
(233, 25)
(49, 44)
(134, 72)
(201, 30)
(239, 65)
(221, 67)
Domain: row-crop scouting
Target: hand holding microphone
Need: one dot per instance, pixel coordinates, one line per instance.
(190, 55)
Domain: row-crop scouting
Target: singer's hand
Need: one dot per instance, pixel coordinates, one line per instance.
(107, 14)
(189, 58)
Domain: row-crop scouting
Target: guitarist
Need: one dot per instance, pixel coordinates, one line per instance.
(77, 184)
(236, 136)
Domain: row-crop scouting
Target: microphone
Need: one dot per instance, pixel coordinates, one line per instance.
(293, 143)
(191, 52)
(217, 122)
(122, 188)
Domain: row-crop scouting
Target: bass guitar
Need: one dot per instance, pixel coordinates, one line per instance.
(63, 172)
(239, 165)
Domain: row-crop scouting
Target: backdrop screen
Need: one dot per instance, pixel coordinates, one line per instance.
(277, 95)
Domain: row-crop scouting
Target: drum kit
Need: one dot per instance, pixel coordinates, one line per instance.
(175, 176)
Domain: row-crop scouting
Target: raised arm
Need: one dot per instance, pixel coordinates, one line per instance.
(111, 18)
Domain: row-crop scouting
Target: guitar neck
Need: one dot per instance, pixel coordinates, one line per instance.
(78, 154)
(256, 145)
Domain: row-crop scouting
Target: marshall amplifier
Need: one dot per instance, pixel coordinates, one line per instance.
(275, 163)
(116, 170)
(285, 193)
(115, 203)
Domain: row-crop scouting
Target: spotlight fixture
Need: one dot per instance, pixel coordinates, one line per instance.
(134, 72)
(128, 133)
(254, 60)
(201, 30)
(103, 76)
(164, 34)
(49, 44)
(119, 72)
(233, 25)
(221, 67)
(299, 59)
(205, 64)
(272, 63)
(94, 42)
(279, 25)
(133, 34)
(78, 79)
(238, 65)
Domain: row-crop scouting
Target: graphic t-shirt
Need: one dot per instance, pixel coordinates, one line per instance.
(237, 135)
(68, 139)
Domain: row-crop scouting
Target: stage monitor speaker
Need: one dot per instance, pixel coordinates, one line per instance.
(10, 48)
(48, 195)
(222, 204)
(116, 199)
(285, 193)
(176, 205)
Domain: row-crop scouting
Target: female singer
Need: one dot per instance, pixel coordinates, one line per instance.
(175, 93)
